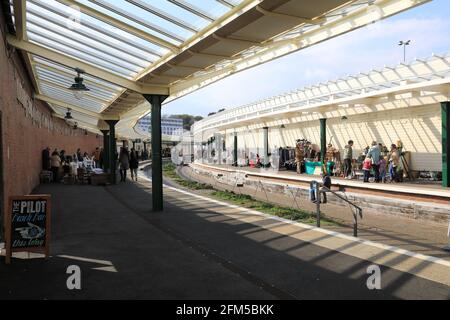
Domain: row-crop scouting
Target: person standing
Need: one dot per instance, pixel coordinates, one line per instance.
(79, 155)
(382, 168)
(96, 157)
(394, 161)
(367, 165)
(375, 153)
(299, 156)
(124, 163)
(134, 164)
(46, 166)
(55, 162)
(348, 156)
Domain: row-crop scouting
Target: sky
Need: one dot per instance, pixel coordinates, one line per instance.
(371, 47)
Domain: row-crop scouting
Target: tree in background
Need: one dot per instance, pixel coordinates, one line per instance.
(188, 120)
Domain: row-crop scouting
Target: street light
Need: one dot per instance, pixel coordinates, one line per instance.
(404, 44)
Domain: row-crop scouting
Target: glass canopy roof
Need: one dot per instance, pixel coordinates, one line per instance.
(172, 47)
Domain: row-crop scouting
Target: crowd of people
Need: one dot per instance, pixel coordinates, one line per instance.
(60, 163)
(376, 160)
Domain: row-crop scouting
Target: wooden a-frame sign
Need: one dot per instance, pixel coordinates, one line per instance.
(28, 225)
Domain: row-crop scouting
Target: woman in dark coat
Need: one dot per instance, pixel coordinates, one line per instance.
(134, 164)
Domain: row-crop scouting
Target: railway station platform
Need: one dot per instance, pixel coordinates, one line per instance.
(199, 248)
(428, 202)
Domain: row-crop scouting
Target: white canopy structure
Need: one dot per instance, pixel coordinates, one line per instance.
(133, 47)
(421, 79)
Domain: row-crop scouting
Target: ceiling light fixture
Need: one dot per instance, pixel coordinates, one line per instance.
(68, 115)
(78, 86)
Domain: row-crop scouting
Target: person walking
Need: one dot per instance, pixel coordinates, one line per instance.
(348, 156)
(375, 153)
(134, 164)
(124, 163)
(55, 162)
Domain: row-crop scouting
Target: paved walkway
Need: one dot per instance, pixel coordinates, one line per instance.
(203, 249)
(420, 236)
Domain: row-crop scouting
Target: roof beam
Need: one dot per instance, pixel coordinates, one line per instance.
(20, 11)
(119, 24)
(164, 15)
(226, 3)
(300, 20)
(136, 19)
(236, 40)
(210, 55)
(88, 68)
(81, 124)
(189, 7)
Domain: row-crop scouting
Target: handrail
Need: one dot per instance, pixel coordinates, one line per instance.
(321, 188)
(345, 199)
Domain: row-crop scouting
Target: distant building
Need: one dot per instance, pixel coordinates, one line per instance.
(169, 126)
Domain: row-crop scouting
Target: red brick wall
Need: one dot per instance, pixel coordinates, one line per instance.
(26, 132)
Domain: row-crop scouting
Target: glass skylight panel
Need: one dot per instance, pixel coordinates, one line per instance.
(106, 86)
(36, 13)
(99, 28)
(57, 36)
(69, 98)
(87, 41)
(83, 56)
(214, 8)
(118, 10)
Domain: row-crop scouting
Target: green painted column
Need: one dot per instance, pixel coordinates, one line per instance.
(445, 107)
(105, 150)
(157, 181)
(323, 138)
(265, 146)
(235, 149)
(112, 150)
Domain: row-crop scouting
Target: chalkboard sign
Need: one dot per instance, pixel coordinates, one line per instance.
(27, 225)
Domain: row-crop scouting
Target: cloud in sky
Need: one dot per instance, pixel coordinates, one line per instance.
(368, 48)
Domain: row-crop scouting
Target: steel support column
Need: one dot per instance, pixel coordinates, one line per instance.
(112, 156)
(157, 180)
(266, 146)
(445, 107)
(235, 149)
(105, 150)
(323, 139)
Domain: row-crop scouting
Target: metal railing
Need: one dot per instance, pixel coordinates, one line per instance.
(321, 189)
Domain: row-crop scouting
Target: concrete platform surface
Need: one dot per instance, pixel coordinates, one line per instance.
(199, 248)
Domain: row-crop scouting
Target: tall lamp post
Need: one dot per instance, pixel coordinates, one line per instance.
(404, 44)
